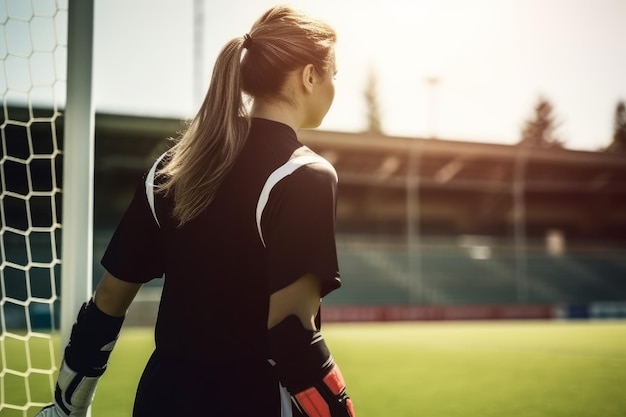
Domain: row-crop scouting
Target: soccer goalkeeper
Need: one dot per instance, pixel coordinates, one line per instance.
(238, 217)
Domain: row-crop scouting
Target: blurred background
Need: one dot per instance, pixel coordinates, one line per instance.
(480, 147)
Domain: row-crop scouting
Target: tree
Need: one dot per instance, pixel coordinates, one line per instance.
(539, 130)
(374, 119)
(619, 129)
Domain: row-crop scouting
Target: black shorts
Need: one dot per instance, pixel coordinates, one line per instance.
(172, 387)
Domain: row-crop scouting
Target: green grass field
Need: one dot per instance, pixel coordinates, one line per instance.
(453, 369)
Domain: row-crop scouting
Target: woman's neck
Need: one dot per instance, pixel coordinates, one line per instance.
(277, 112)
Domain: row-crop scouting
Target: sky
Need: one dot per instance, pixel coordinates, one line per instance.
(491, 61)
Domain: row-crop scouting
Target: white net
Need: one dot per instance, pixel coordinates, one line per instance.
(33, 51)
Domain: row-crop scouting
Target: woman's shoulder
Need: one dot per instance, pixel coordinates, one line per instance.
(308, 163)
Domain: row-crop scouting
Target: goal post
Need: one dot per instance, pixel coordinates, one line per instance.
(45, 260)
(78, 175)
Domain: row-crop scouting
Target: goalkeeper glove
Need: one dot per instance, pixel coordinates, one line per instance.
(73, 395)
(93, 337)
(49, 411)
(307, 369)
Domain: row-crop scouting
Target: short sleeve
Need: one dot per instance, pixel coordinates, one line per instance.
(135, 252)
(299, 229)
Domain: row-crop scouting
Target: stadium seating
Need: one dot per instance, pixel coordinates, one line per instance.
(381, 274)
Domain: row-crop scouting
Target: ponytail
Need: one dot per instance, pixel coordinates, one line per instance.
(281, 41)
(206, 150)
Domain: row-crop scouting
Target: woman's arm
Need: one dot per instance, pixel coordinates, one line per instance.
(113, 296)
(300, 299)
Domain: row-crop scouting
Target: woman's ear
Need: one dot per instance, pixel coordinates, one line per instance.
(308, 77)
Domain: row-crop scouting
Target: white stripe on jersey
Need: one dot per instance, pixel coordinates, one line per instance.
(150, 188)
(275, 177)
(281, 172)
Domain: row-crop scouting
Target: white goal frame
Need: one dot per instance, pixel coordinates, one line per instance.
(34, 38)
(78, 163)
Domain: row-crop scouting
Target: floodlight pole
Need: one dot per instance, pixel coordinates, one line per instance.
(433, 83)
(519, 221)
(415, 283)
(198, 53)
(78, 161)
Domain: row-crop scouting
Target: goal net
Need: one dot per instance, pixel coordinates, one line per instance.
(33, 55)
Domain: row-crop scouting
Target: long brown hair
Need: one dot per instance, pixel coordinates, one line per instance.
(281, 41)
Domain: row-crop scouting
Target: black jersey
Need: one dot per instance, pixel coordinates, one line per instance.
(271, 222)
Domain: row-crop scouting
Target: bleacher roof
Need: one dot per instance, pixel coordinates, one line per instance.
(457, 187)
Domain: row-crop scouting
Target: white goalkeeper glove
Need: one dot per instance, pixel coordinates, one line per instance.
(92, 339)
(49, 411)
(74, 394)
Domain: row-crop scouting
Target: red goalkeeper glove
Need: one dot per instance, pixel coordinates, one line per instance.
(306, 368)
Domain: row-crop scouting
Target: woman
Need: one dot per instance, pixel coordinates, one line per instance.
(238, 217)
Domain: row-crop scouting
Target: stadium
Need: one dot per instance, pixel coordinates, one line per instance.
(434, 222)
(426, 231)
(478, 279)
